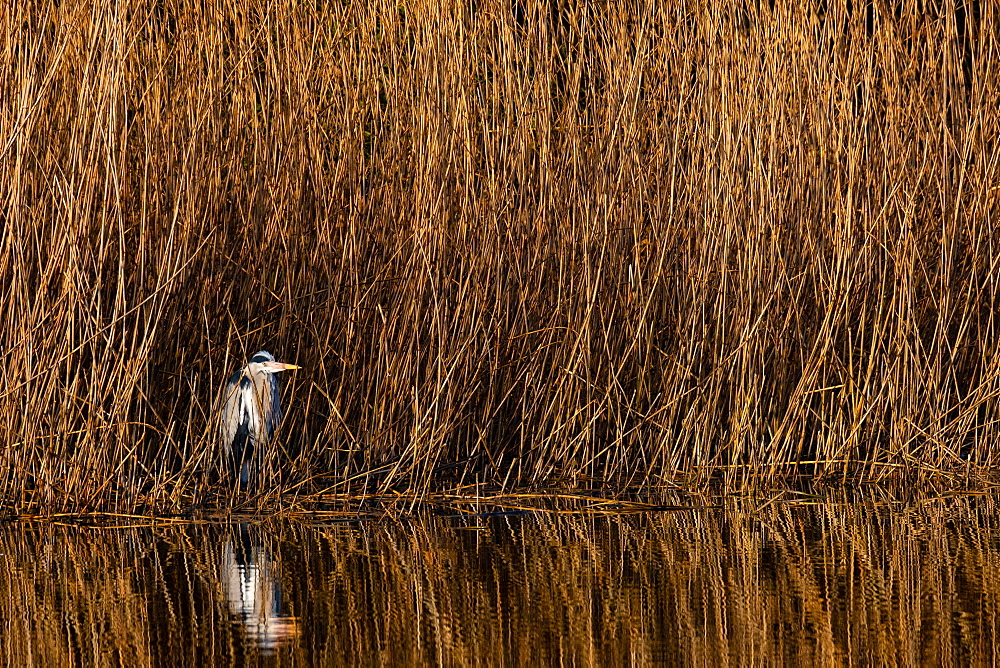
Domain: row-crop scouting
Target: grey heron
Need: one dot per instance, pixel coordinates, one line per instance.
(251, 411)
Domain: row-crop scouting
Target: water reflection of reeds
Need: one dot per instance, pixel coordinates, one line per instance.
(790, 584)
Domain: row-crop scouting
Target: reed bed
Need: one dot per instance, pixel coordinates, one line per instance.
(516, 243)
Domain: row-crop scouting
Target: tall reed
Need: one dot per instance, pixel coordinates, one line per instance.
(509, 242)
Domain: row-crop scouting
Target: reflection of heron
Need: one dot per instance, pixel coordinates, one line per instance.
(254, 591)
(251, 411)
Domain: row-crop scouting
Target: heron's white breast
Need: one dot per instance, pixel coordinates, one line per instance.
(250, 407)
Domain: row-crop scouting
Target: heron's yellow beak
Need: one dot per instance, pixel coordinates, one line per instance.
(281, 366)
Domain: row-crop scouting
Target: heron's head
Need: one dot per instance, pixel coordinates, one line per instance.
(263, 362)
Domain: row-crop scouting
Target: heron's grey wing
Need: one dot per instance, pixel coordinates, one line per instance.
(229, 416)
(272, 416)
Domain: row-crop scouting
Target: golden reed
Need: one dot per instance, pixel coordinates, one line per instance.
(516, 243)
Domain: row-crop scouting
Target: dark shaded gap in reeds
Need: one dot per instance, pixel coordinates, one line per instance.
(514, 244)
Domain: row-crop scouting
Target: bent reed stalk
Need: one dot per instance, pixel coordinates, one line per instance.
(513, 244)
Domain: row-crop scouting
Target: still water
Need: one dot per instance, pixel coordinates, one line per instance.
(740, 584)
